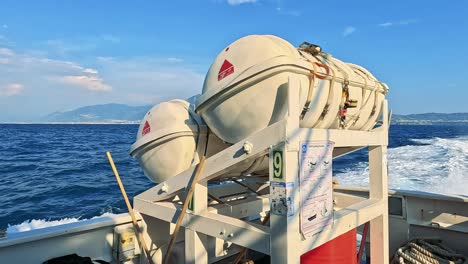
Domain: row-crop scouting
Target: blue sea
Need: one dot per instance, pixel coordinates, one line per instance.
(53, 174)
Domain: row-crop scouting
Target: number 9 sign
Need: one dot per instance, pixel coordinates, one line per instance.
(277, 164)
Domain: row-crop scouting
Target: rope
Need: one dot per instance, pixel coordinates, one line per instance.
(311, 88)
(427, 251)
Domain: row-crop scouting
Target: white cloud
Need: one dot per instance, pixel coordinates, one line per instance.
(12, 89)
(91, 83)
(5, 55)
(239, 2)
(104, 59)
(39, 71)
(398, 23)
(91, 71)
(4, 41)
(65, 47)
(6, 52)
(54, 84)
(386, 24)
(348, 31)
(172, 59)
(148, 80)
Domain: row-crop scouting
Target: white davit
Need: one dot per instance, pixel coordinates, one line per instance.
(245, 89)
(172, 138)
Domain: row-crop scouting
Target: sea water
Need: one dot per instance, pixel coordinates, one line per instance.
(55, 174)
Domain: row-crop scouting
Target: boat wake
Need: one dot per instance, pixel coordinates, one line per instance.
(437, 165)
(42, 223)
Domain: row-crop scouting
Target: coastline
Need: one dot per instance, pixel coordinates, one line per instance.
(72, 123)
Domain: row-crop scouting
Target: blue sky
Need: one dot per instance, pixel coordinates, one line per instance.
(59, 55)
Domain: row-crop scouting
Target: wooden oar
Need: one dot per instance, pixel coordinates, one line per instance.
(188, 197)
(130, 209)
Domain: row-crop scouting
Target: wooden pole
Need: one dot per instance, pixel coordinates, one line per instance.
(188, 197)
(130, 209)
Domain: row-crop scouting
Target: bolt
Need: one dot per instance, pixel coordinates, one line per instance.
(248, 147)
(231, 235)
(165, 188)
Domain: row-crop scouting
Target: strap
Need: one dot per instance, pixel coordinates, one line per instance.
(309, 93)
(311, 87)
(315, 73)
(357, 115)
(323, 66)
(331, 94)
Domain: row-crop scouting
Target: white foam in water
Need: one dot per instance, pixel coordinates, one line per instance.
(42, 223)
(439, 165)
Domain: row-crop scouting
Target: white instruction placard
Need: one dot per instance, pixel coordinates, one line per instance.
(316, 186)
(282, 199)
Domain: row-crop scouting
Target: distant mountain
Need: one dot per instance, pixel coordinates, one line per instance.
(105, 113)
(431, 118)
(121, 113)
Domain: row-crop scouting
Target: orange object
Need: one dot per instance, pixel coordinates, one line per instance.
(341, 250)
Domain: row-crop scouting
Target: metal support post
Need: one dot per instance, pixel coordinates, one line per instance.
(378, 189)
(195, 242)
(285, 238)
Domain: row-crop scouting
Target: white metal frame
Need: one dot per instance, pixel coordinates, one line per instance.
(281, 239)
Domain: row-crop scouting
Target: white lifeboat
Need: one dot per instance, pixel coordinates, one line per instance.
(245, 89)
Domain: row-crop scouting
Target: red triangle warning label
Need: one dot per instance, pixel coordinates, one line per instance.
(226, 69)
(146, 128)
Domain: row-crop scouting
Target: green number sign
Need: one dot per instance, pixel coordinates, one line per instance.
(191, 204)
(278, 164)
